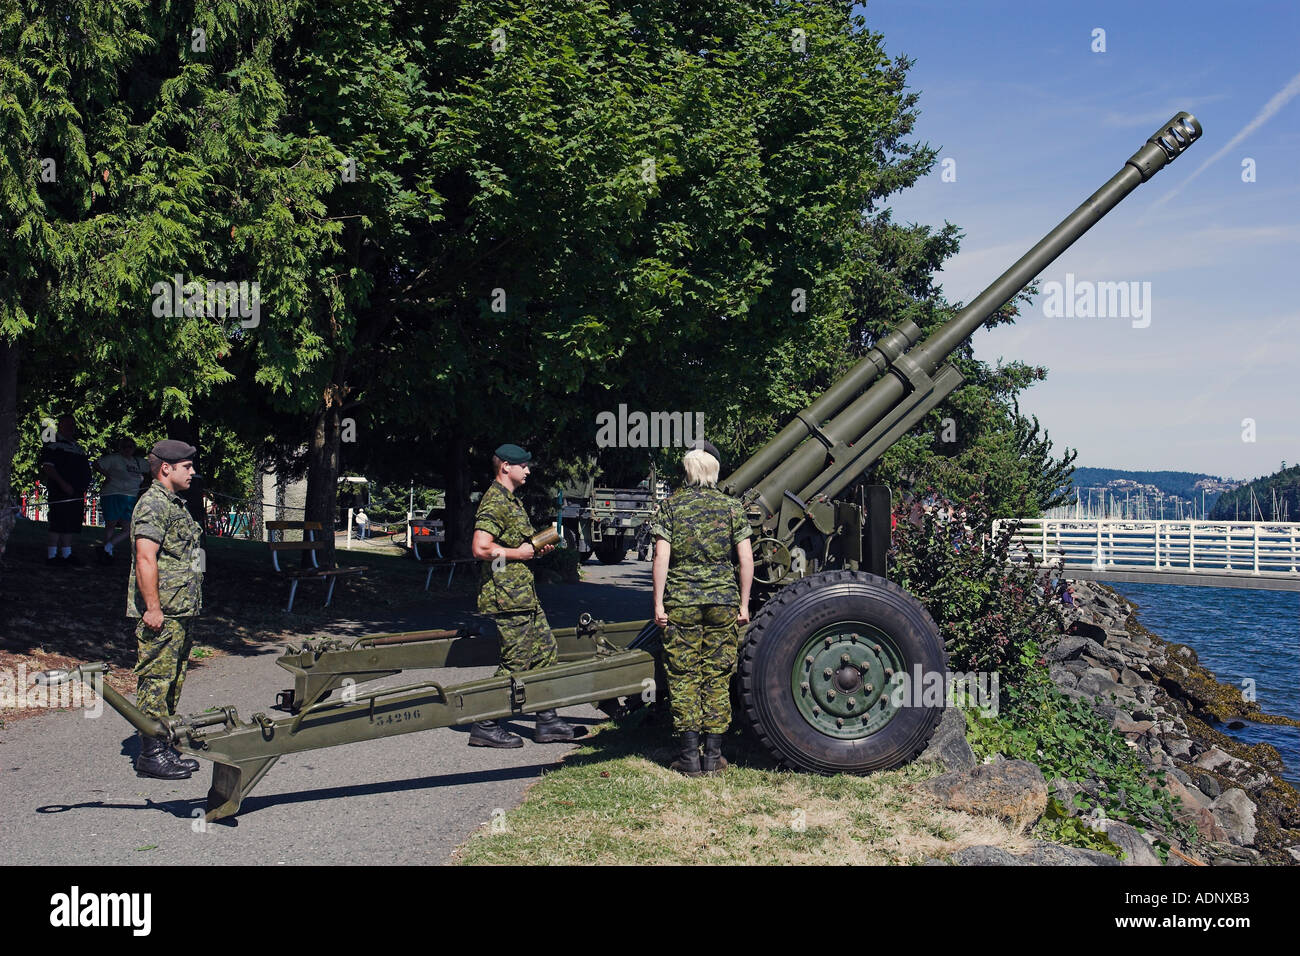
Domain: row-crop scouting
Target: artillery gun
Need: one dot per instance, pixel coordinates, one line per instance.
(821, 660)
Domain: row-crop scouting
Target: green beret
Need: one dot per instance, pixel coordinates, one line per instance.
(513, 455)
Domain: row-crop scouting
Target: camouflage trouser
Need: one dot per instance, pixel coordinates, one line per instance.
(699, 656)
(526, 641)
(161, 661)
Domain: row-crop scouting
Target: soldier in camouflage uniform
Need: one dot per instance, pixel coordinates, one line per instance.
(166, 593)
(701, 534)
(507, 595)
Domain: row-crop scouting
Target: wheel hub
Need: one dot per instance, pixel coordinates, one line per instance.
(841, 680)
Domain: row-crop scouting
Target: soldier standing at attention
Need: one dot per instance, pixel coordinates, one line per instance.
(701, 533)
(166, 593)
(507, 595)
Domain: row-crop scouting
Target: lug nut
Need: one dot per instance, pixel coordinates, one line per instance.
(845, 659)
(839, 721)
(853, 702)
(876, 648)
(804, 687)
(817, 711)
(828, 673)
(889, 672)
(830, 695)
(808, 660)
(870, 688)
(829, 642)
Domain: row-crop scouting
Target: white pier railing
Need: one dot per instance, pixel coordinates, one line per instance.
(1179, 548)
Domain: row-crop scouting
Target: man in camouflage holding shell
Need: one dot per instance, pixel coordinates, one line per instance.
(701, 535)
(507, 595)
(165, 592)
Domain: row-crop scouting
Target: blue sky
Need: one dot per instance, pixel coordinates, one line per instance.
(1035, 121)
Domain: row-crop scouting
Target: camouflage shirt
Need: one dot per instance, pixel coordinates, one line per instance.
(510, 588)
(162, 516)
(702, 526)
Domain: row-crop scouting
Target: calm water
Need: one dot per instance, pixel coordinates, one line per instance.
(1240, 636)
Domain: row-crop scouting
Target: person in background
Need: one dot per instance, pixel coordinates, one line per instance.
(67, 474)
(362, 521)
(123, 474)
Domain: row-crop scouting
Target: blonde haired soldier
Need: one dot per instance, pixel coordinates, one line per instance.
(701, 535)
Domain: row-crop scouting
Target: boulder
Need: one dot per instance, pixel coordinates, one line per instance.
(1061, 676)
(984, 856)
(1095, 680)
(1068, 648)
(1053, 854)
(1012, 789)
(1207, 785)
(1136, 849)
(1130, 678)
(1227, 854)
(1131, 726)
(1235, 813)
(949, 747)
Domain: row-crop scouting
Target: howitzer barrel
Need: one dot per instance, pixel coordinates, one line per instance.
(806, 471)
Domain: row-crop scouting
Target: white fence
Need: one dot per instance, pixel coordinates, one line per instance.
(1210, 547)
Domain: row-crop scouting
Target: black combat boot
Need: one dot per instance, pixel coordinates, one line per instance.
(487, 733)
(551, 729)
(713, 761)
(189, 763)
(153, 761)
(689, 760)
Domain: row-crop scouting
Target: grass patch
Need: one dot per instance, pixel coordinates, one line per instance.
(614, 801)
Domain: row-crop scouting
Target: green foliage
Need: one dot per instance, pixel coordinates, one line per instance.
(1180, 483)
(990, 614)
(1059, 826)
(1066, 738)
(1285, 484)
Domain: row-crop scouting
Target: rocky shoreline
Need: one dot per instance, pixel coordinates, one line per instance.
(1169, 709)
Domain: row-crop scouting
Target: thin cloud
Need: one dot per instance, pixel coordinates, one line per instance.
(1279, 100)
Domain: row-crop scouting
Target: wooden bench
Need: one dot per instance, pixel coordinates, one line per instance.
(311, 544)
(427, 537)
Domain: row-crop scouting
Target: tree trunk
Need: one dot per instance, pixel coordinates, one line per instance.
(256, 519)
(9, 357)
(460, 482)
(323, 467)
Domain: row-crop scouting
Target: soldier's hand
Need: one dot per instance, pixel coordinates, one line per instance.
(530, 553)
(661, 616)
(742, 616)
(153, 619)
(546, 550)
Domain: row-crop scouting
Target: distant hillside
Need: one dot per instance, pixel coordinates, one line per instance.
(1284, 485)
(1180, 483)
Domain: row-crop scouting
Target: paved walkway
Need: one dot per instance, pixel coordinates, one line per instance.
(68, 794)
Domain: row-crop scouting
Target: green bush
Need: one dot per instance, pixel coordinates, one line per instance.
(991, 615)
(1066, 738)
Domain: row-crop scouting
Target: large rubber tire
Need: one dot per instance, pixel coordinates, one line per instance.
(781, 637)
(610, 555)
